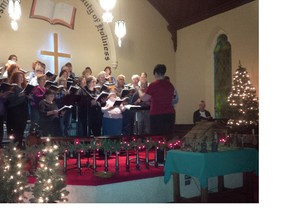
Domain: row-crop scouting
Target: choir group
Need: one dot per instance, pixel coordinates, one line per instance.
(98, 104)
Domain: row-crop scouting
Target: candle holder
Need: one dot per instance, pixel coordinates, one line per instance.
(127, 160)
(137, 159)
(147, 158)
(117, 162)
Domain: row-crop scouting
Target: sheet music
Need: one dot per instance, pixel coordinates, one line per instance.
(136, 107)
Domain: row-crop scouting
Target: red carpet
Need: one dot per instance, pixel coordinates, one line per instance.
(88, 178)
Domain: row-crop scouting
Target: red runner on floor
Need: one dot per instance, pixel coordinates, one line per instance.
(87, 176)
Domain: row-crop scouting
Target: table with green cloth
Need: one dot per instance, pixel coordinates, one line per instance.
(210, 164)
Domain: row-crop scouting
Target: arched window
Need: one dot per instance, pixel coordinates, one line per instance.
(222, 75)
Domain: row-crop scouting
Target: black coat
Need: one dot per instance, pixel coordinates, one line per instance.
(197, 117)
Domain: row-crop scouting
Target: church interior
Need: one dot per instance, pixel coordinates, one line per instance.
(206, 45)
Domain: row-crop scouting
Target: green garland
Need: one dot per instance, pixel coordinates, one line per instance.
(13, 181)
(52, 177)
(50, 185)
(107, 144)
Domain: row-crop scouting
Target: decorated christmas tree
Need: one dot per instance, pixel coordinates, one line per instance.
(243, 102)
(13, 180)
(50, 185)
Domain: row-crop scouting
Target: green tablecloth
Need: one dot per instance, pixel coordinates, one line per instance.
(211, 164)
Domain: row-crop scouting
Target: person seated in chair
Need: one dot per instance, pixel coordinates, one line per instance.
(201, 113)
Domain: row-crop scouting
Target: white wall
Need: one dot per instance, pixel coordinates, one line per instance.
(151, 190)
(148, 42)
(35, 35)
(194, 57)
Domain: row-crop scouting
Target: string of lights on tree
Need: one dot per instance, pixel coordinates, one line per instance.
(50, 184)
(243, 102)
(14, 186)
(13, 180)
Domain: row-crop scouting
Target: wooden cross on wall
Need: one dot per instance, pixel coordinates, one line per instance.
(56, 54)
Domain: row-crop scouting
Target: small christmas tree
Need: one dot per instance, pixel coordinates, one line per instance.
(243, 103)
(50, 185)
(13, 179)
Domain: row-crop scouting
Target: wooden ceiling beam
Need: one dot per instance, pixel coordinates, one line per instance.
(180, 14)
